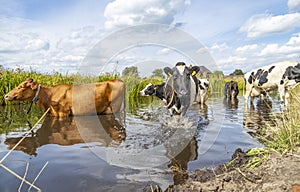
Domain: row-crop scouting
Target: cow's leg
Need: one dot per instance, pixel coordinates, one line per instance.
(282, 93)
(247, 94)
(286, 98)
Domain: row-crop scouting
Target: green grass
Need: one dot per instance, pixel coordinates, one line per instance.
(285, 135)
(282, 136)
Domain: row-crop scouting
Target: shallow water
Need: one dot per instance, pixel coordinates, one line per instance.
(128, 152)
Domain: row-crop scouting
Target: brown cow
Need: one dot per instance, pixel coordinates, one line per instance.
(67, 100)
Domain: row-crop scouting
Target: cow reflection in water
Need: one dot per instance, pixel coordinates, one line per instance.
(232, 103)
(260, 117)
(180, 159)
(106, 129)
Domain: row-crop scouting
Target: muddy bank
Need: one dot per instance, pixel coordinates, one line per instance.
(276, 173)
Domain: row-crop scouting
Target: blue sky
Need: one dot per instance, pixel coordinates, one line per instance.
(57, 35)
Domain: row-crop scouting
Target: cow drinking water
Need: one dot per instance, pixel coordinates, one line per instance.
(231, 90)
(282, 76)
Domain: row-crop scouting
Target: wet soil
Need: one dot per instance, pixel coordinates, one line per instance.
(276, 173)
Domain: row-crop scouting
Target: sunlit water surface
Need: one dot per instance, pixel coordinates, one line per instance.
(117, 153)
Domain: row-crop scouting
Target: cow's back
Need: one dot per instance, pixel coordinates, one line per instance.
(99, 98)
(269, 77)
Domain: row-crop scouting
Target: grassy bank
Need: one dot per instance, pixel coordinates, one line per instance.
(282, 136)
(285, 136)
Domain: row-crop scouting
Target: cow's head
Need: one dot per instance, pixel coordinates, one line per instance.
(148, 90)
(25, 91)
(179, 82)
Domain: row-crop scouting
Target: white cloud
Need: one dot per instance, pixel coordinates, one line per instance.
(294, 40)
(26, 43)
(122, 13)
(232, 60)
(247, 48)
(221, 47)
(37, 44)
(277, 50)
(293, 4)
(164, 51)
(266, 24)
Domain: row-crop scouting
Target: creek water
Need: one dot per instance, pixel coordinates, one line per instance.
(127, 152)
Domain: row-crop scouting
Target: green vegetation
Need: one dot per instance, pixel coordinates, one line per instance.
(238, 79)
(236, 72)
(284, 137)
(216, 81)
(13, 118)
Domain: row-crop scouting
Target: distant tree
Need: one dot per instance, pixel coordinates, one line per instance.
(218, 74)
(158, 73)
(130, 71)
(237, 72)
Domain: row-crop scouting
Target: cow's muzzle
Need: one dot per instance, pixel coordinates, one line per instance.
(9, 97)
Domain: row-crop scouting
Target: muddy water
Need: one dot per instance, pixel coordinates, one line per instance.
(126, 152)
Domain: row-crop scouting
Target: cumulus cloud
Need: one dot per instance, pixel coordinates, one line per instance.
(26, 43)
(294, 5)
(232, 60)
(37, 44)
(277, 50)
(221, 47)
(247, 48)
(294, 40)
(266, 24)
(121, 13)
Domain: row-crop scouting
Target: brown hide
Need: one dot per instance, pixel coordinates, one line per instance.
(66, 100)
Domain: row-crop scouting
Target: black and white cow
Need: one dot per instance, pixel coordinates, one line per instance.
(181, 84)
(282, 76)
(158, 91)
(231, 90)
(154, 90)
(202, 91)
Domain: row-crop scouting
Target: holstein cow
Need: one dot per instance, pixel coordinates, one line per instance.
(67, 100)
(231, 90)
(154, 90)
(158, 91)
(202, 91)
(283, 76)
(180, 84)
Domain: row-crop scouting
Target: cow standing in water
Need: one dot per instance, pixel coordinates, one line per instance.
(282, 76)
(202, 86)
(231, 90)
(180, 85)
(67, 100)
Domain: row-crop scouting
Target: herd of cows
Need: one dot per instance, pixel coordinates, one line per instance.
(181, 88)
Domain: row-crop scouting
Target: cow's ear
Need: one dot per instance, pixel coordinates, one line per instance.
(34, 85)
(168, 71)
(30, 80)
(194, 70)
